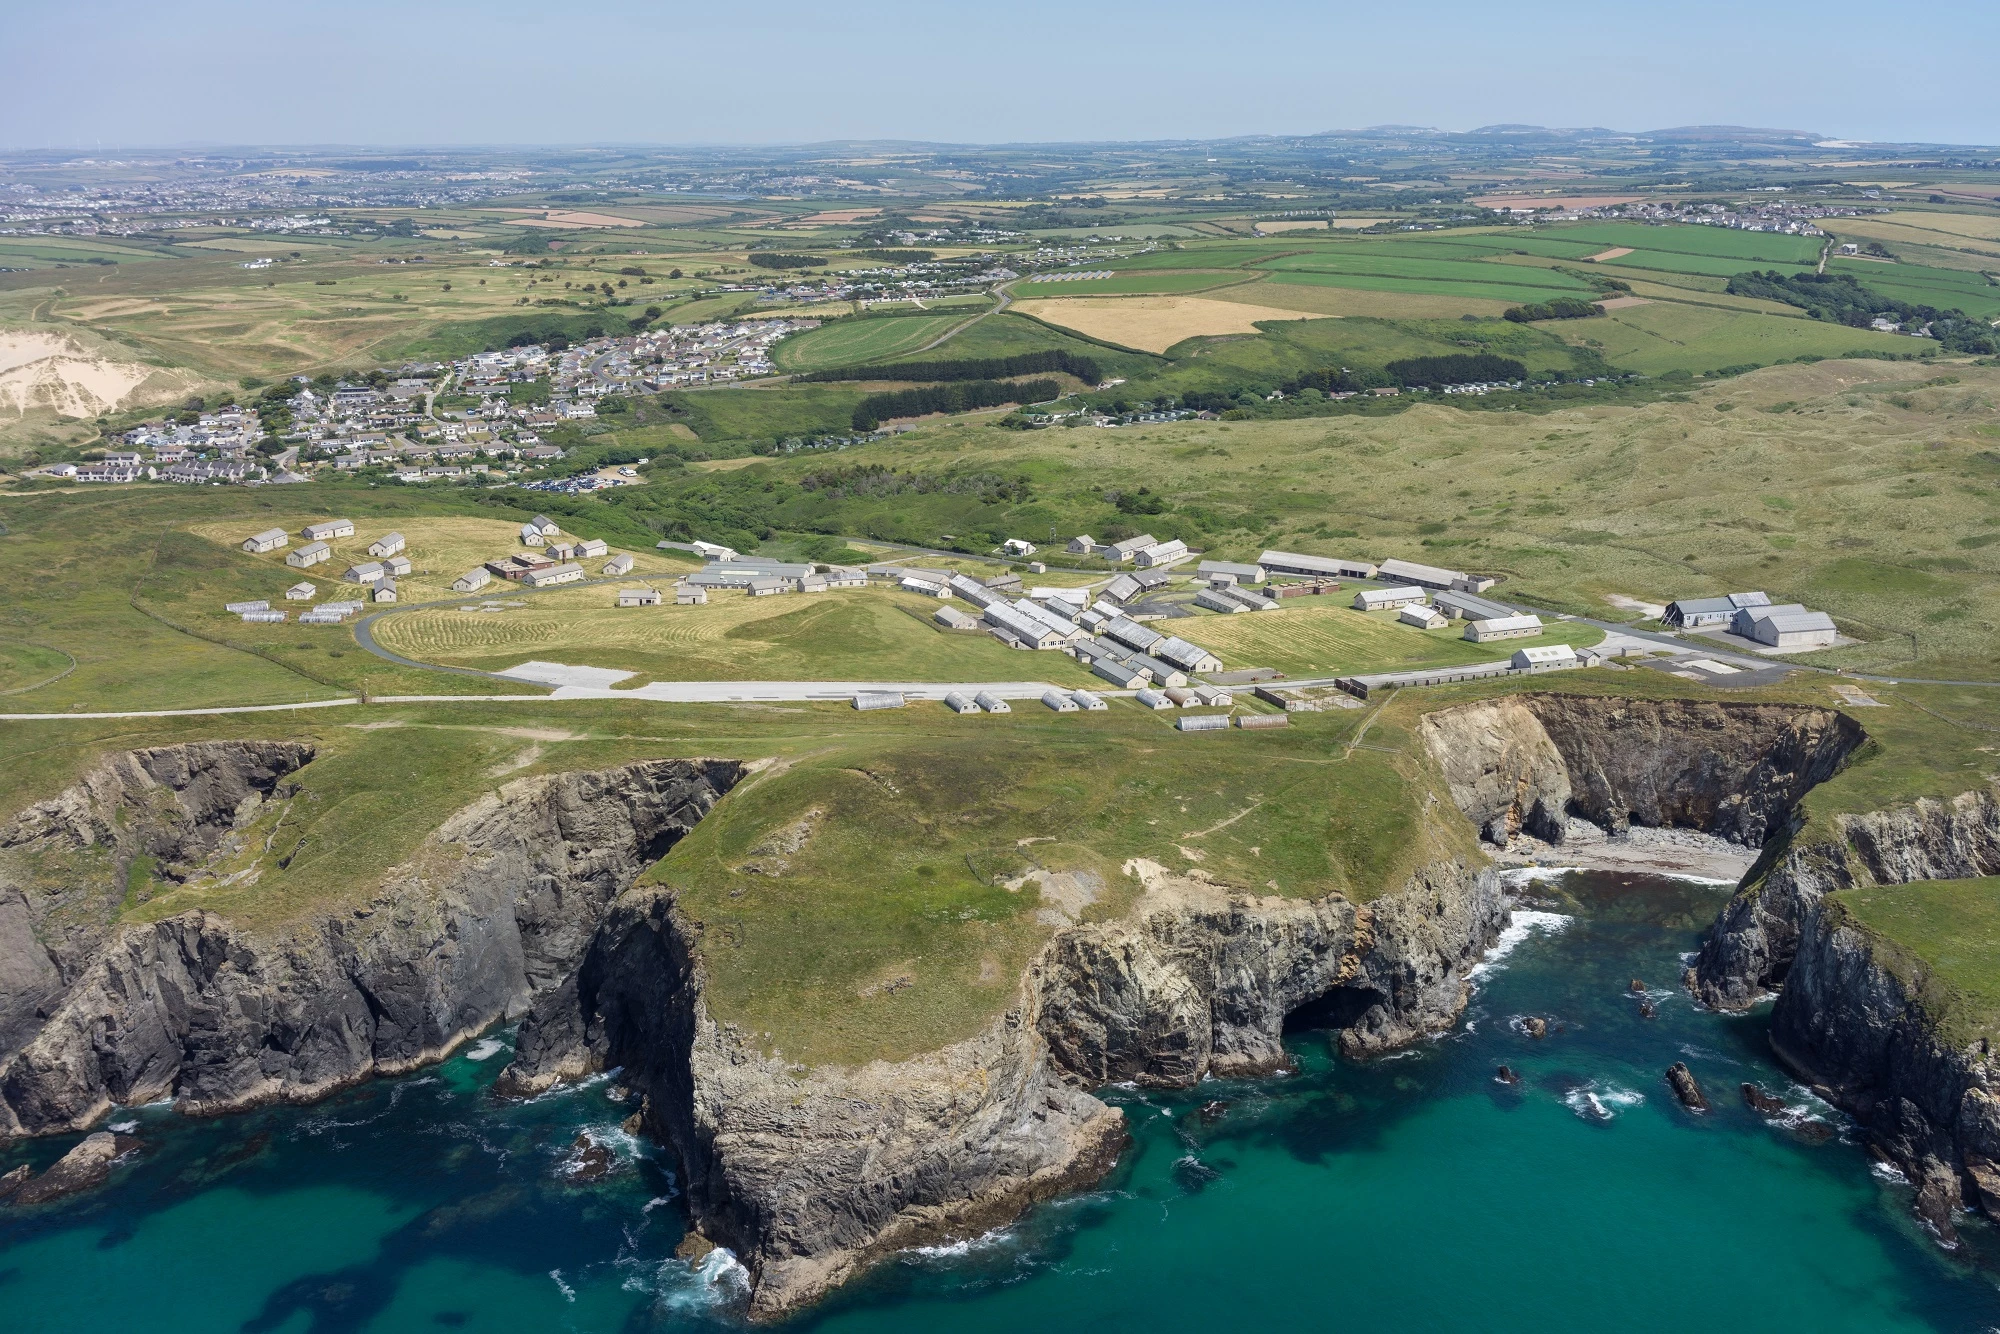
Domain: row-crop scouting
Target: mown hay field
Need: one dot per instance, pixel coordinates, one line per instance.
(1677, 336)
(440, 549)
(1154, 324)
(852, 342)
(1327, 637)
(842, 635)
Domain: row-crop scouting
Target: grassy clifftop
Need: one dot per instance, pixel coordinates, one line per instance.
(1941, 939)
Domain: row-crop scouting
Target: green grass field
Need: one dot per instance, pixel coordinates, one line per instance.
(1133, 284)
(1941, 938)
(1672, 336)
(854, 342)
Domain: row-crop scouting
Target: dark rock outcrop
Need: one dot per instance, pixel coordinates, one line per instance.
(86, 1166)
(1749, 950)
(498, 906)
(1682, 1081)
(1529, 763)
(810, 1175)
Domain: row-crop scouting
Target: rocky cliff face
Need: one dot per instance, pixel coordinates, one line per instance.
(499, 905)
(1528, 763)
(1859, 1031)
(809, 1175)
(1750, 948)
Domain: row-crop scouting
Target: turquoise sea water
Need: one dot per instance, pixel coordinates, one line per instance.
(1413, 1193)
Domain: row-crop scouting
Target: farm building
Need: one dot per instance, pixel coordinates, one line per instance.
(264, 617)
(1088, 702)
(591, 548)
(1242, 597)
(1004, 583)
(1161, 554)
(1213, 722)
(383, 591)
(268, 540)
(238, 608)
(639, 597)
(312, 553)
(991, 702)
(844, 576)
(1503, 627)
(327, 529)
(1213, 600)
(951, 618)
(712, 552)
(768, 586)
(1118, 674)
(978, 594)
(1317, 588)
(568, 572)
(1015, 546)
(923, 587)
(301, 592)
(1546, 655)
(1215, 697)
(531, 536)
(812, 583)
(472, 580)
(1132, 634)
(1153, 699)
(397, 566)
(1386, 599)
(1163, 673)
(544, 525)
(1083, 544)
(386, 545)
(1120, 552)
(1188, 657)
(1122, 589)
(1788, 626)
(960, 702)
(618, 564)
(1311, 567)
(1022, 626)
(559, 550)
(690, 595)
(868, 701)
(1427, 576)
(1228, 572)
(330, 614)
(1421, 616)
(367, 572)
(741, 573)
(1062, 625)
(1695, 613)
(1462, 606)
(1058, 701)
(1474, 583)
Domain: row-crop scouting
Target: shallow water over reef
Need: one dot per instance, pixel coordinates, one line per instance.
(1415, 1192)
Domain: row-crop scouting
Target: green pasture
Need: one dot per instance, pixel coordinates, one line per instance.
(1762, 248)
(857, 340)
(1132, 284)
(1941, 939)
(1675, 336)
(1947, 289)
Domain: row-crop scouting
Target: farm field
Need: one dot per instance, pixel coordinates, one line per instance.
(1948, 289)
(1153, 324)
(1281, 293)
(1761, 248)
(852, 342)
(1673, 336)
(843, 634)
(1174, 280)
(441, 549)
(1319, 639)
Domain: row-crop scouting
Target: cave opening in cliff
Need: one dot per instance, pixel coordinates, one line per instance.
(1338, 1009)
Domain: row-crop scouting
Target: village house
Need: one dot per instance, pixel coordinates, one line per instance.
(1161, 554)
(1386, 599)
(472, 580)
(591, 548)
(531, 536)
(568, 572)
(386, 545)
(327, 530)
(383, 591)
(1120, 552)
(268, 540)
(1083, 544)
(690, 595)
(1015, 546)
(1503, 627)
(619, 564)
(398, 566)
(312, 553)
(639, 597)
(301, 592)
(367, 572)
(1421, 616)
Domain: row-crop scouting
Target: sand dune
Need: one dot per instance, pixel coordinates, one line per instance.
(51, 371)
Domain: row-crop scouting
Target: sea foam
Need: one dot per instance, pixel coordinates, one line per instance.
(1521, 923)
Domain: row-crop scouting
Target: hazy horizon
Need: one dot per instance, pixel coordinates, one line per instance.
(227, 73)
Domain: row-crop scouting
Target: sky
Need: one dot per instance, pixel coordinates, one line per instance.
(135, 73)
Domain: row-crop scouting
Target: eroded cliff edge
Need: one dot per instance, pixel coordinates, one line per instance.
(497, 906)
(810, 1175)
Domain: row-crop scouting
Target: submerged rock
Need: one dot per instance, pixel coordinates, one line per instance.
(592, 1160)
(1213, 1111)
(1759, 1101)
(1506, 1075)
(1682, 1081)
(1647, 1009)
(86, 1165)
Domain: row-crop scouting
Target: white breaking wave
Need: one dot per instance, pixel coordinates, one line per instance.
(1593, 1103)
(484, 1049)
(954, 1249)
(124, 1127)
(1521, 923)
(1889, 1172)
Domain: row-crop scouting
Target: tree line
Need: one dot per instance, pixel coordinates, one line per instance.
(875, 409)
(1839, 298)
(977, 368)
(770, 261)
(1561, 308)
